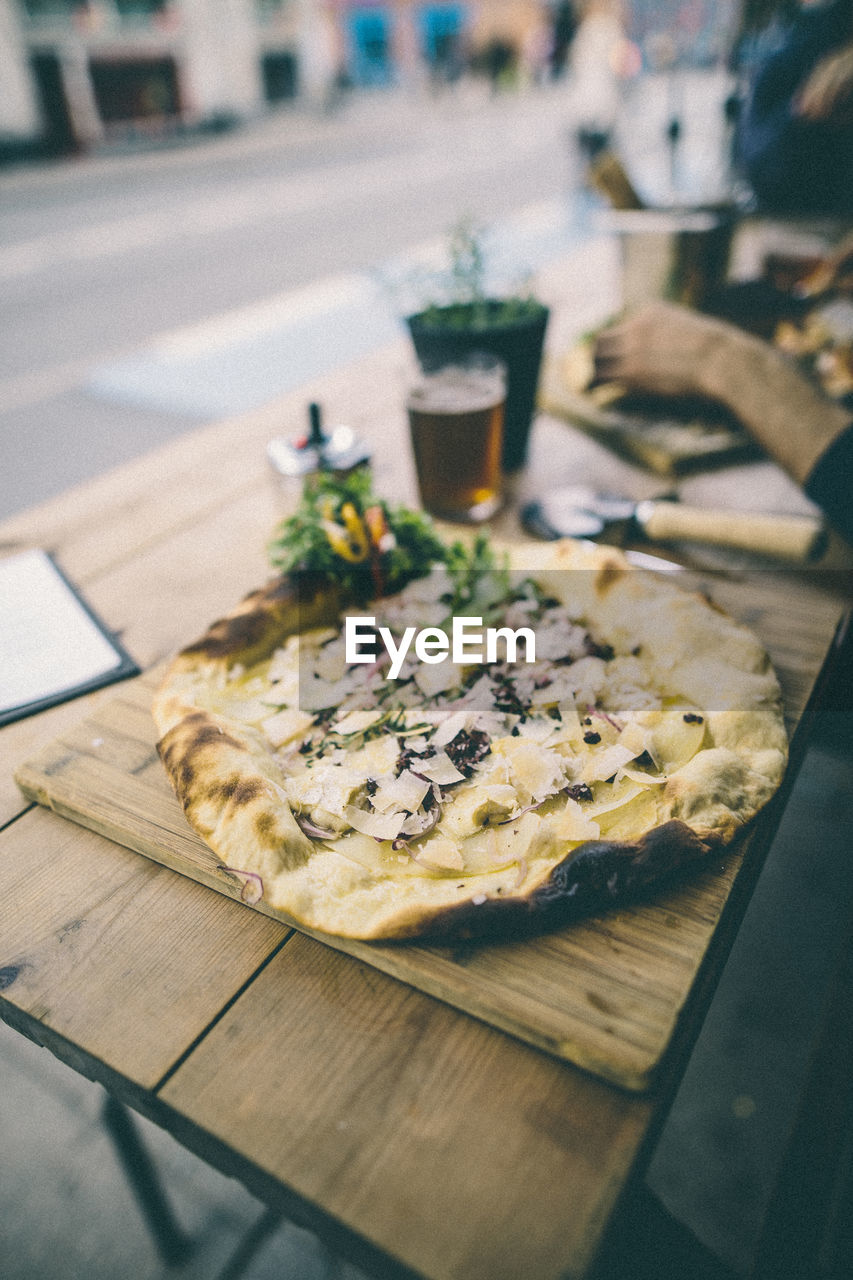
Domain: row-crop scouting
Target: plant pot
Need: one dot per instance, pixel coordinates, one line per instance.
(515, 334)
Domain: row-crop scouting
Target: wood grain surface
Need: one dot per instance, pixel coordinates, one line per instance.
(605, 994)
(462, 1154)
(147, 949)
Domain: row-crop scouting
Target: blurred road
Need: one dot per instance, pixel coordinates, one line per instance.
(100, 258)
(140, 294)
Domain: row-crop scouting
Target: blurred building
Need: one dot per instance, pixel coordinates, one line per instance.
(19, 112)
(77, 73)
(74, 73)
(693, 33)
(86, 69)
(385, 41)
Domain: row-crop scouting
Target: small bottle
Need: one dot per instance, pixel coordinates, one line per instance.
(339, 451)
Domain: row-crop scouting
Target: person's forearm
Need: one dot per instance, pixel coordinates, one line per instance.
(788, 417)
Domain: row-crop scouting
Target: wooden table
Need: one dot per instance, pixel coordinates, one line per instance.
(415, 1138)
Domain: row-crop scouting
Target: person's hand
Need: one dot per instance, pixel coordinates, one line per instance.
(827, 94)
(671, 351)
(662, 350)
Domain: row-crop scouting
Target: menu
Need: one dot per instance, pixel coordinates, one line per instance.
(52, 645)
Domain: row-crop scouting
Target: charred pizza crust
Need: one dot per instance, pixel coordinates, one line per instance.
(235, 792)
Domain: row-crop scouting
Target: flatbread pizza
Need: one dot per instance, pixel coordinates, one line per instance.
(392, 797)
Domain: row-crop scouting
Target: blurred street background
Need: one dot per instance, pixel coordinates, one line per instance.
(187, 235)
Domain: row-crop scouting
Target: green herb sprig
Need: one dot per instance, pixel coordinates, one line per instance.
(468, 306)
(368, 547)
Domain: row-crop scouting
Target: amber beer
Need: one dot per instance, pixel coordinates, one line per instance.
(456, 420)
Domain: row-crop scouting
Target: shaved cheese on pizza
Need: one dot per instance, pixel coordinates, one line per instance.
(472, 798)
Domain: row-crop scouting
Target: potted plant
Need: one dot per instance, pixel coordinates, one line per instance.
(511, 328)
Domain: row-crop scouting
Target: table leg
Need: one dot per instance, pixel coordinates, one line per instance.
(266, 1225)
(172, 1243)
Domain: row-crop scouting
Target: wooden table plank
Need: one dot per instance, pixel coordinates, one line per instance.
(119, 956)
(24, 738)
(458, 1151)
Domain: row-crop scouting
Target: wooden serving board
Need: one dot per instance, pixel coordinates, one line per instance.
(655, 437)
(606, 994)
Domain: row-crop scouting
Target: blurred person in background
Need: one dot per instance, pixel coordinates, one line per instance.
(670, 350)
(537, 49)
(499, 61)
(563, 28)
(795, 138)
(599, 61)
(321, 64)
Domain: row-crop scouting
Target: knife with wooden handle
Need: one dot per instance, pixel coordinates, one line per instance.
(800, 539)
(580, 512)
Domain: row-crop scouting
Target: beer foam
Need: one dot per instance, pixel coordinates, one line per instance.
(457, 390)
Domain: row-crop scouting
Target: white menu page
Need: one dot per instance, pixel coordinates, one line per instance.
(52, 647)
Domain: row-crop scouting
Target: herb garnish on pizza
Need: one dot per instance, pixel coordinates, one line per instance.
(409, 786)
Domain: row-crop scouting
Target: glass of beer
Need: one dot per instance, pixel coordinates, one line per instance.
(456, 420)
